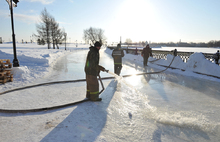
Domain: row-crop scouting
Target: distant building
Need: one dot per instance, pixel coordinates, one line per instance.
(0, 40)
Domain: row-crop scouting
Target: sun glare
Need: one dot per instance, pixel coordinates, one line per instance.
(134, 80)
(135, 20)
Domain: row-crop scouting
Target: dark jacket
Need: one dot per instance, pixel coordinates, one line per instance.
(92, 62)
(216, 56)
(117, 54)
(146, 52)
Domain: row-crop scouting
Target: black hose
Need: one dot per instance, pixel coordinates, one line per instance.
(154, 60)
(42, 109)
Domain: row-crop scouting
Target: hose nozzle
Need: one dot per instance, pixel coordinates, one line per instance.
(106, 71)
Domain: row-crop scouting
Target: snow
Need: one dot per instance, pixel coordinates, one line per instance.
(125, 113)
(35, 61)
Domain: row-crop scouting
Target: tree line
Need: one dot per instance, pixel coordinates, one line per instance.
(190, 44)
(48, 31)
(211, 43)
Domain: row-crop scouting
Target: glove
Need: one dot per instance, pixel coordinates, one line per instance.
(101, 68)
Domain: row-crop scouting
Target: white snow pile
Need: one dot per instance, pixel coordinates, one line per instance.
(196, 63)
(35, 61)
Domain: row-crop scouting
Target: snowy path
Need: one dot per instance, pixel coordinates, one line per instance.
(160, 107)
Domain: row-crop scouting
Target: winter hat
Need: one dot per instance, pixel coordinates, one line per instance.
(119, 46)
(97, 44)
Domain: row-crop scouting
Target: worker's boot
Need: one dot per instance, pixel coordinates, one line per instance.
(95, 97)
(88, 94)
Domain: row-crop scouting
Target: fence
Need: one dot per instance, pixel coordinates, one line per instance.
(160, 54)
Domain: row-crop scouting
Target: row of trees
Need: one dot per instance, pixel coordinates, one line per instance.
(190, 44)
(172, 44)
(48, 31)
(213, 43)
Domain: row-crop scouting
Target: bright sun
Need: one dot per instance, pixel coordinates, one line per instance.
(135, 20)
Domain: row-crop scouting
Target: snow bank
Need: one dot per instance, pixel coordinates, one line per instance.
(35, 62)
(196, 63)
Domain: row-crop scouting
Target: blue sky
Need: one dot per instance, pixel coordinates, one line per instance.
(139, 20)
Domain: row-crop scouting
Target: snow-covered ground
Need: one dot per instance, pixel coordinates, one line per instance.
(35, 61)
(164, 107)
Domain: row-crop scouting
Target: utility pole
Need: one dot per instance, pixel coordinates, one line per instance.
(11, 4)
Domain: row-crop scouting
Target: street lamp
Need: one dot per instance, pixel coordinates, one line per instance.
(11, 4)
(65, 39)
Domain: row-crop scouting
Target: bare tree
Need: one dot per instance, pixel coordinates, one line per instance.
(48, 30)
(93, 35)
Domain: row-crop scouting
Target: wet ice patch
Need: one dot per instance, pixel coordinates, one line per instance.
(131, 105)
(129, 101)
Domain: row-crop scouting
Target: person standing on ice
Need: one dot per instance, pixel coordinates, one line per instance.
(117, 54)
(216, 56)
(92, 70)
(146, 53)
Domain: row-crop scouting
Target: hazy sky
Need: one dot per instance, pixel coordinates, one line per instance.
(139, 20)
